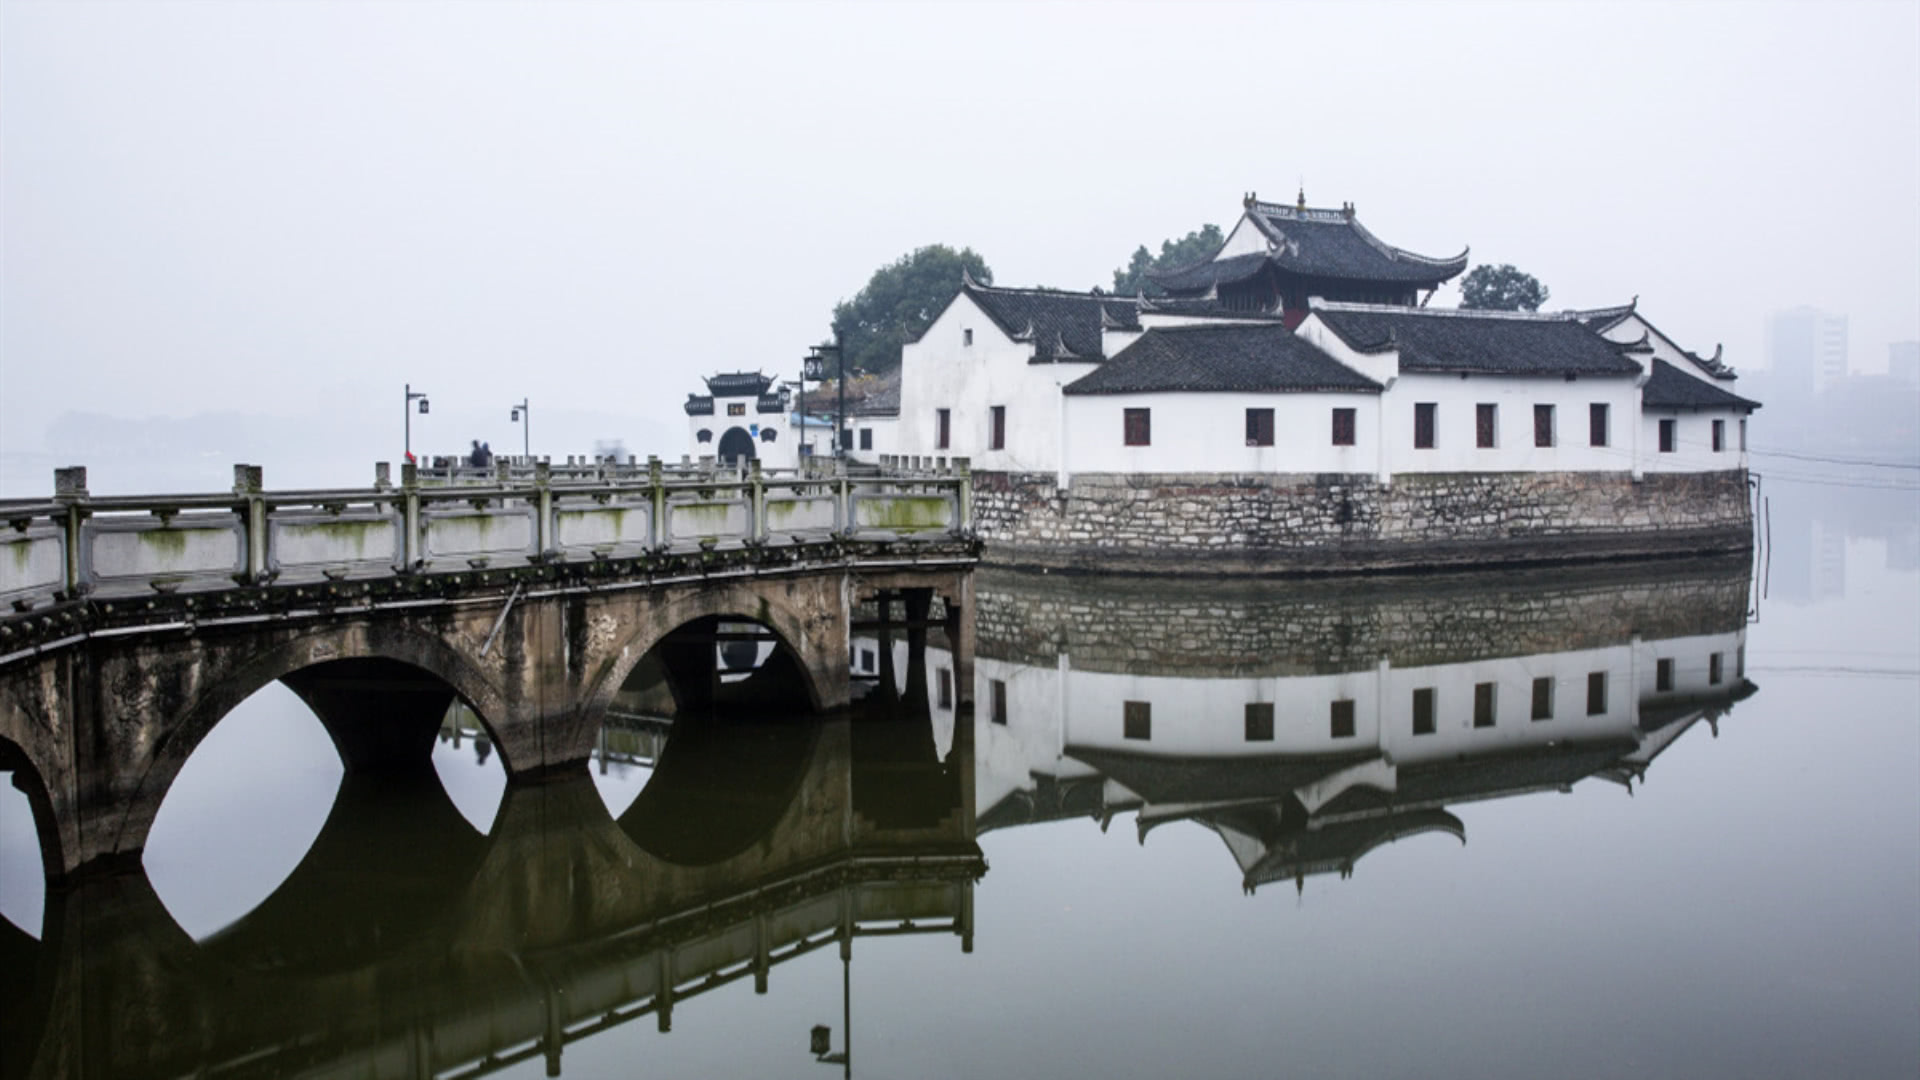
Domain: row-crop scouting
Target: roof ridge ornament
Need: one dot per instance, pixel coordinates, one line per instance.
(1060, 350)
(966, 279)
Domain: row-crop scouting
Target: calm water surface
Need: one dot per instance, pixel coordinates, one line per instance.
(1625, 821)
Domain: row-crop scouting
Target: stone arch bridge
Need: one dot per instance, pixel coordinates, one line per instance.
(137, 623)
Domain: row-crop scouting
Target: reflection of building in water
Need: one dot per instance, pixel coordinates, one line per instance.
(1308, 723)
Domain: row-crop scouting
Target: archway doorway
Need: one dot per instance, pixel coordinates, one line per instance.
(736, 445)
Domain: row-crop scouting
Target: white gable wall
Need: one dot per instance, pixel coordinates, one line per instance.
(1245, 239)
(942, 371)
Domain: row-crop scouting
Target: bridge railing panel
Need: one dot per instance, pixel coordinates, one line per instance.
(33, 563)
(192, 551)
(713, 516)
(305, 545)
(610, 526)
(495, 534)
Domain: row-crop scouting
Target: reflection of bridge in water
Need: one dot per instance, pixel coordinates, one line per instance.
(405, 944)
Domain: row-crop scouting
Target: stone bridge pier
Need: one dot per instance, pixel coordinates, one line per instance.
(97, 730)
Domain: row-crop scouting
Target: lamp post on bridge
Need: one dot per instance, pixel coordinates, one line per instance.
(523, 415)
(407, 413)
(817, 363)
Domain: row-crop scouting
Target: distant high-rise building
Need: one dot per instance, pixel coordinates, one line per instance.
(1903, 362)
(1807, 349)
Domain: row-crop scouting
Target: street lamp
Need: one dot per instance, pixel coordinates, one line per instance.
(523, 416)
(813, 368)
(407, 412)
(818, 362)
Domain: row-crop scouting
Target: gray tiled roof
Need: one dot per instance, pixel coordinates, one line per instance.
(1671, 388)
(1253, 358)
(1453, 341)
(738, 384)
(1062, 325)
(1319, 244)
(1164, 778)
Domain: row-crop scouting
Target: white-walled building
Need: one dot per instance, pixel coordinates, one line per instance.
(743, 416)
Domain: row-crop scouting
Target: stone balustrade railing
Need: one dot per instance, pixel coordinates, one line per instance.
(447, 519)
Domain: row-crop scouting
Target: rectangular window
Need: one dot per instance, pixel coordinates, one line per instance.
(1743, 436)
(944, 685)
(1596, 693)
(1423, 425)
(1343, 427)
(1483, 698)
(866, 438)
(1713, 669)
(1342, 719)
(1485, 421)
(1259, 427)
(942, 428)
(1597, 424)
(1423, 711)
(846, 438)
(1543, 698)
(966, 336)
(1259, 721)
(1719, 436)
(1663, 675)
(738, 408)
(1543, 425)
(997, 433)
(869, 660)
(997, 693)
(1138, 720)
(1139, 427)
(1666, 436)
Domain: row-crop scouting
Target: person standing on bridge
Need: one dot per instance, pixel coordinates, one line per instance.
(481, 457)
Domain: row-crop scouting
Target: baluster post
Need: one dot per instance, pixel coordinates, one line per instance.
(248, 485)
(410, 517)
(70, 488)
(757, 492)
(657, 495)
(842, 499)
(542, 507)
(963, 496)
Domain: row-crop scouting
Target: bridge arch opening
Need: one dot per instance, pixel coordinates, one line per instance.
(246, 790)
(30, 849)
(715, 727)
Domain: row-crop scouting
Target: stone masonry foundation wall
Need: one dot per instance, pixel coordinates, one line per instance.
(1225, 523)
(1207, 629)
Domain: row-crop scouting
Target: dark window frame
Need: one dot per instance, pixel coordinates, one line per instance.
(942, 429)
(1669, 435)
(1340, 719)
(866, 438)
(1259, 721)
(1543, 433)
(1543, 698)
(1486, 701)
(1716, 669)
(1425, 711)
(1486, 425)
(1663, 674)
(1136, 427)
(997, 701)
(1719, 430)
(1136, 720)
(943, 683)
(1596, 693)
(997, 427)
(1343, 426)
(1426, 424)
(1597, 424)
(1259, 427)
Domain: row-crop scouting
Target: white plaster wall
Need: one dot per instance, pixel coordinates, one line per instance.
(941, 371)
(1692, 666)
(1513, 729)
(1455, 445)
(1206, 432)
(782, 453)
(1693, 442)
(1207, 717)
(886, 437)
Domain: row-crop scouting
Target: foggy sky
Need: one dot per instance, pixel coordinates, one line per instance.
(292, 209)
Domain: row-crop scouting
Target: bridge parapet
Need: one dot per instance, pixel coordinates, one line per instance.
(451, 520)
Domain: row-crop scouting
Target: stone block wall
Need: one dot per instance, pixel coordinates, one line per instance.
(1218, 629)
(1229, 523)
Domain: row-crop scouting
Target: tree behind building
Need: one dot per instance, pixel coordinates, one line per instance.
(1501, 287)
(901, 300)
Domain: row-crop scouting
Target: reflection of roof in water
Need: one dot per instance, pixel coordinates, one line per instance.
(1336, 846)
(1160, 778)
(1050, 800)
(1480, 777)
